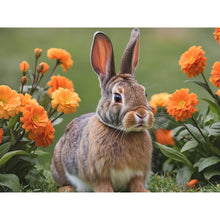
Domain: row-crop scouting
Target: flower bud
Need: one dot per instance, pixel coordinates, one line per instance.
(37, 52)
(24, 66)
(23, 80)
(43, 67)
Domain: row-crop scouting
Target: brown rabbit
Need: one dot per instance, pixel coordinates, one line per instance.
(109, 150)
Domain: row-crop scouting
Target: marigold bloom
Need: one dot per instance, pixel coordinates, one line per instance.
(37, 52)
(34, 117)
(217, 35)
(160, 100)
(44, 67)
(215, 78)
(164, 136)
(9, 102)
(66, 100)
(181, 104)
(59, 81)
(43, 137)
(1, 135)
(218, 92)
(193, 62)
(62, 56)
(192, 183)
(25, 101)
(24, 66)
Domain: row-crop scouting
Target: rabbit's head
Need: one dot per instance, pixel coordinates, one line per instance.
(123, 104)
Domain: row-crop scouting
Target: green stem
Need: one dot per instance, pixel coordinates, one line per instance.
(209, 89)
(197, 126)
(59, 115)
(51, 73)
(190, 132)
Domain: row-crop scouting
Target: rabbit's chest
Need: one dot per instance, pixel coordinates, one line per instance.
(121, 178)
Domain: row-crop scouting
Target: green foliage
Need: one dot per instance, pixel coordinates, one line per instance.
(19, 150)
(196, 153)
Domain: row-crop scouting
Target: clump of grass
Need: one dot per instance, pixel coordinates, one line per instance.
(168, 183)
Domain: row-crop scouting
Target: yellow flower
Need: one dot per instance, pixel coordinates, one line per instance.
(160, 100)
(9, 102)
(66, 100)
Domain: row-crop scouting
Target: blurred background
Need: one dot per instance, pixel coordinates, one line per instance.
(158, 69)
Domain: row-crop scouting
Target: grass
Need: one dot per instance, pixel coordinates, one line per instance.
(42, 181)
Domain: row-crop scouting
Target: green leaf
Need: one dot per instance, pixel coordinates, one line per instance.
(176, 130)
(4, 148)
(10, 154)
(13, 121)
(13, 137)
(209, 174)
(207, 162)
(11, 181)
(57, 121)
(189, 145)
(40, 153)
(214, 107)
(183, 175)
(174, 154)
(168, 166)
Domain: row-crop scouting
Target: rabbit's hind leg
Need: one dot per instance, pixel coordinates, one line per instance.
(66, 189)
(137, 184)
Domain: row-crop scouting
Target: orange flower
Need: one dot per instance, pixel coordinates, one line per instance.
(218, 92)
(193, 62)
(181, 104)
(44, 67)
(66, 100)
(59, 81)
(1, 135)
(215, 78)
(37, 52)
(9, 102)
(34, 118)
(62, 56)
(24, 66)
(164, 137)
(25, 101)
(192, 183)
(217, 34)
(44, 137)
(160, 99)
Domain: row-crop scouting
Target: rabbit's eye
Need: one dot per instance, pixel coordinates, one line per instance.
(117, 98)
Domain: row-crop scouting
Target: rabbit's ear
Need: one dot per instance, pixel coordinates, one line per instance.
(102, 57)
(129, 58)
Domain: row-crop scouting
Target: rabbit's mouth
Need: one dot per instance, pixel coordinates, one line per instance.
(134, 121)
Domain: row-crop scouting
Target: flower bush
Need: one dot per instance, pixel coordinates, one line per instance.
(27, 117)
(190, 146)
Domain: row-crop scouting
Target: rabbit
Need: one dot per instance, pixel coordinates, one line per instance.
(109, 150)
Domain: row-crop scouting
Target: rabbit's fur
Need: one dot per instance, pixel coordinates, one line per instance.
(109, 150)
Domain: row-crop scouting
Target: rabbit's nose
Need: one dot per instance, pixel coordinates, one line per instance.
(141, 116)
